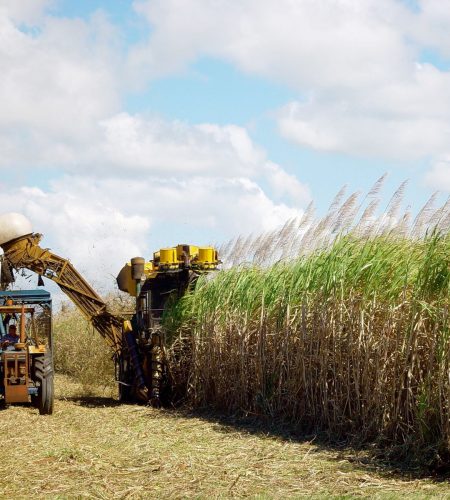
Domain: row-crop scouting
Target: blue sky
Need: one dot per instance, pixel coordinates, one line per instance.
(132, 125)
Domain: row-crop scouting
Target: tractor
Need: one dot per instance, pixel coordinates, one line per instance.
(26, 364)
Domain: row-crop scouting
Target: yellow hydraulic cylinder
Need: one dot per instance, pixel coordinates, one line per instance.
(206, 255)
(207, 258)
(168, 257)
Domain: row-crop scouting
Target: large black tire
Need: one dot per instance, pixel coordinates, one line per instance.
(43, 375)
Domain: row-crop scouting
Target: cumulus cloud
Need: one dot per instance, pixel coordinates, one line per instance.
(26, 11)
(357, 66)
(94, 235)
(284, 184)
(439, 175)
(60, 96)
(306, 43)
(59, 81)
(154, 145)
(429, 25)
(401, 121)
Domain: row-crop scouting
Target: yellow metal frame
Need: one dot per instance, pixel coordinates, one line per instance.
(169, 259)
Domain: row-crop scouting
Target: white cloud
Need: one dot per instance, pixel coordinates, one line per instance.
(153, 145)
(439, 176)
(356, 65)
(25, 11)
(284, 184)
(94, 235)
(303, 43)
(400, 120)
(55, 85)
(60, 108)
(429, 27)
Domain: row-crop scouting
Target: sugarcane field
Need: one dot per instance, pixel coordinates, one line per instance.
(225, 249)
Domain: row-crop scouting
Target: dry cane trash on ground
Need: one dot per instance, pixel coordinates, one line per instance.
(94, 448)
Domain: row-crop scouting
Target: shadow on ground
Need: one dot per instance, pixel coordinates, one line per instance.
(394, 462)
(388, 463)
(93, 401)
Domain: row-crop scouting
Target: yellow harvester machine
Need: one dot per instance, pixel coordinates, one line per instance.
(137, 342)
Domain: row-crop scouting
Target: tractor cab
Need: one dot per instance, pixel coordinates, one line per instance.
(26, 366)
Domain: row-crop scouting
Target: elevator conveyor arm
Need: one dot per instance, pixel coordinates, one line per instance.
(25, 253)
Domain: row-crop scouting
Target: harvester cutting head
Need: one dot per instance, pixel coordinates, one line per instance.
(166, 261)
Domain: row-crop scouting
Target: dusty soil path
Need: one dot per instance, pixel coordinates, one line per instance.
(92, 447)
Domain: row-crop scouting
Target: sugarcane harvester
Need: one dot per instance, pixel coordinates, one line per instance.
(137, 340)
(155, 284)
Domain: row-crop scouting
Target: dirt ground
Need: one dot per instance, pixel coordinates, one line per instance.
(92, 447)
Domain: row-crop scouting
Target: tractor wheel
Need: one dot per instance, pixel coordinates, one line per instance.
(43, 374)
